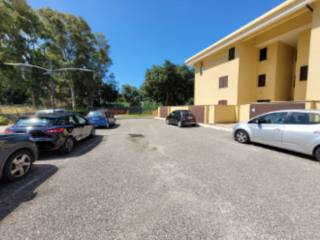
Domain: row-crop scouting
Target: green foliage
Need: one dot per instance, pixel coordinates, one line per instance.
(4, 121)
(149, 106)
(169, 84)
(52, 39)
(131, 95)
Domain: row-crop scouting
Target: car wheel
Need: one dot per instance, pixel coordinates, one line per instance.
(18, 165)
(317, 153)
(242, 136)
(179, 124)
(68, 146)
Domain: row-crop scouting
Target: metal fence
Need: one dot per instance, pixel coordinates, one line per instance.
(198, 112)
(164, 112)
(261, 108)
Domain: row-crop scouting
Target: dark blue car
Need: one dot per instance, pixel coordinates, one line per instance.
(101, 118)
(17, 154)
(57, 131)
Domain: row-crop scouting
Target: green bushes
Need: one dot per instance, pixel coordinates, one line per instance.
(4, 120)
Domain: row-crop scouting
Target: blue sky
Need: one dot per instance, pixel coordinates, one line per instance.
(147, 32)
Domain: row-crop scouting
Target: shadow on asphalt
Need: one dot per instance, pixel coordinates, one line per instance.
(280, 150)
(13, 194)
(81, 148)
(110, 128)
(185, 127)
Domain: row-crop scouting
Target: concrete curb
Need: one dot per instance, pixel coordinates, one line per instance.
(204, 125)
(215, 127)
(158, 118)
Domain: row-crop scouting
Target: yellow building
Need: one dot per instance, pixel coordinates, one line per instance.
(273, 58)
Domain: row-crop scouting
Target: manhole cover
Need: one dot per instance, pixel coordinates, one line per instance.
(135, 135)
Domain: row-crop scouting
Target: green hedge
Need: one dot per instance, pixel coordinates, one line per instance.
(4, 120)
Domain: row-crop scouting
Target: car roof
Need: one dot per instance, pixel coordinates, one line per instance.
(287, 111)
(53, 115)
(297, 110)
(52, 110)
(100, 110)
(182, 111)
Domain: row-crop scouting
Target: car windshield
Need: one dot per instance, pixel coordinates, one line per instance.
(95, 114)
(187, 114)
(34, 122)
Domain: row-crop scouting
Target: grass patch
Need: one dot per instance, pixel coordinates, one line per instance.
(4, 121)
(135, 116)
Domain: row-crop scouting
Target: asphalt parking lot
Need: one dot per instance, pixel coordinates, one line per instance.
(145, 180)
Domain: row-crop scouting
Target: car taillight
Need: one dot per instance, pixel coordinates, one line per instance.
(55, 130)
(8, 131)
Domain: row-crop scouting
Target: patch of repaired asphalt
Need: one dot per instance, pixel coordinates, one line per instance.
(135, 135)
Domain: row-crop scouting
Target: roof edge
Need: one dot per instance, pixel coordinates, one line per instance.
(275, 14)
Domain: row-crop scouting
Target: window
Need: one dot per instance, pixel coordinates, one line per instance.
(223, 82)
(201, 68)
(80, 120)
(223, 102)
(72, 120)
(95, 114)
(263, 54)
(186, 113)
(232, 53)
(34, 122)
(303, 118)
(304, 73)
(262, 80)
(314, 118)
(173, 114)
(272, 118)
(62, 121)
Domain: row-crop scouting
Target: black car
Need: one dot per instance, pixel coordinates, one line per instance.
(57, 131)
(17, 154)
(181, 118)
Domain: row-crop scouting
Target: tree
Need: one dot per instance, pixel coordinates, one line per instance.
(131, 95)
(169, 84)
(72, 43)
(50, 39)
(109, 89)
(20, 34)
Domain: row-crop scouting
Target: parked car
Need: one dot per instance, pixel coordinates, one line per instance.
(51, 111)
(101, 118)
(57, 131)
(181, 118)
(17, 154)
(295, 130)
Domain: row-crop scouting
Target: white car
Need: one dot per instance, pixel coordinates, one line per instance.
(295, 130)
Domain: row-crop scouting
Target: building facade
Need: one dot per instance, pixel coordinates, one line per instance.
(274, 58)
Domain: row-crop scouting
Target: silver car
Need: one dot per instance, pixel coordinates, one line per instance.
(295, 130)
